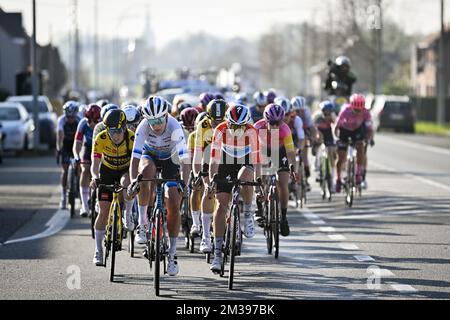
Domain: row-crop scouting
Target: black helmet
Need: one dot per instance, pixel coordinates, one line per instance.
(115, 119)
(216, 109)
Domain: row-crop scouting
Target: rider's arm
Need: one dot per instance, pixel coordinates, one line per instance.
(138, 147)
(60, 135)
(298, 127)
(78, 143)
(198, 149)
(256, 153)
(216, 145)
(290, 150)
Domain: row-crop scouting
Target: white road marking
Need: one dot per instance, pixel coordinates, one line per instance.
(403, 288)
(348, 246)
(311, 216)
(327, 229)
(364, 258)
(318, 222)
(336, 237)
(422, 147)
(56, 223)
(382, 272)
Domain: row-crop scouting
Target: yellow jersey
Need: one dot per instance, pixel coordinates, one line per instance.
(115, 157)
(203, 134)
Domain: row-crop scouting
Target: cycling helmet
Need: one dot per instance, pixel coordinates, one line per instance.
(342, 61)
(107, 108)
(238, 114)
(270, 95)
(92, 112)
(188, 117)
(183, 106)
(298, 103)
(115, 119)
(155, 107)
(260, 98)
(206, 98)
(216, 109)
(241, 98)
(326, 106)
(71, 108)
(200, 117)
(219, 96)
(284, 103)
(132, 114)
(102, 102)
(274, 113)
(357, 102)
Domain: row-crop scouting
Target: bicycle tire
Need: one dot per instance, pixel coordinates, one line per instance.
(350, 183)
(156, 273)
(329, 181)
(235, 211)
(114, 242)
(276, 226)
(268, 229)
(93, 212)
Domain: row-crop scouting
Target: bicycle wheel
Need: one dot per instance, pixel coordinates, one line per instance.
(234, 231)
(268, 228)
(276, 224)
(93, 212)
(350, 183)
(323, 178)
(115, 240)
(71, 191)
(158, 256)
(329, 182)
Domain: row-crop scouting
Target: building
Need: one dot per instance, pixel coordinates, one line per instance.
(424, 59)
(13, 49)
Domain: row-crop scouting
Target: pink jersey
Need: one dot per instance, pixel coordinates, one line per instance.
(351, 121)
(284, 135)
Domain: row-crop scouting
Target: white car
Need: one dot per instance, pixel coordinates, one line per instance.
(48, 119)
(17, 126)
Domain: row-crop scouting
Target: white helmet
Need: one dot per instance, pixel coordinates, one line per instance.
(298, 103)
(260, 98)
(131, 113)
(283, 102)
(156, 107)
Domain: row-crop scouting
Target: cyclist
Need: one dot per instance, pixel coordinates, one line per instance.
(353, 122)
(159, 140)
(67, 128)
(241, 98)
(275, 134)
(234, 154)
(324, 119)
(257, 110)
(102, 102)
(216, 110)
(82, 149)
(99, 127)
(110, 162)
(304, 112)
(205, 98)
(271, 95)
(133, 116)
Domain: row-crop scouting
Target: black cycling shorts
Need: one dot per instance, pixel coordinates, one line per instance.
(356, 135)
(283, 161)
(328, 139)
(168, 168)
(109, 177)
(228, 171)
(86, 153)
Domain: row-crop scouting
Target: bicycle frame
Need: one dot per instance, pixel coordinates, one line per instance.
(350, 183)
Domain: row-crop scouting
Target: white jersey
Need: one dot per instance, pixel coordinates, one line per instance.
(160, 147)
(298, 128)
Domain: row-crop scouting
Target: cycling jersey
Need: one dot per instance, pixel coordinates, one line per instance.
(322, 122)
(227, 142)
(84, 133)
(203, 134)
(255, 114)
(99, 127)
(115, 157)
(307, 119)
(284, 135)
(191, 143)
(69, 130)
(351, 121)
(160, 147)
(296, 126)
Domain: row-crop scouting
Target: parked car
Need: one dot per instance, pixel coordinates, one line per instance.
(17, 126)
(393, 112)
(47, 118)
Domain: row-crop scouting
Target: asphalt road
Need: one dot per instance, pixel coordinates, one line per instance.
(393, 244)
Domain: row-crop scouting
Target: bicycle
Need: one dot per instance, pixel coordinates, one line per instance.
(73, 181)
(325, 179)
(233, 234)
(93, 206)
(114, 228)
(299, 188)
(271, 215)
(132, 235)
(351, 188)
(157, 240)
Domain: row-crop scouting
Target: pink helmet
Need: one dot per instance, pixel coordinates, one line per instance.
(357, 101)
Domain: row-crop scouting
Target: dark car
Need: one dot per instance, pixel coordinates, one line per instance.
(394, 112)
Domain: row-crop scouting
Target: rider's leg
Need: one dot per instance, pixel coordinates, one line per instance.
(246, 174)
(173, 218)
(359, 160)
(84, 186)
(332, 157)
(64, 173)
(208, 201)
(223, 199)
(196, 199)
(148, 170)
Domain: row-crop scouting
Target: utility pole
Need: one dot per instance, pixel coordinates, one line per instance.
(34, 80)
(76, 49)
(441, 85)
(379, 32)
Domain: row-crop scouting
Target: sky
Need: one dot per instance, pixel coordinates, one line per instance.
(172, 19)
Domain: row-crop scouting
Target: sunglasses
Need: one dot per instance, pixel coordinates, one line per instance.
(274, 123)
(115, 131)
(236, 126)
(155, 122)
